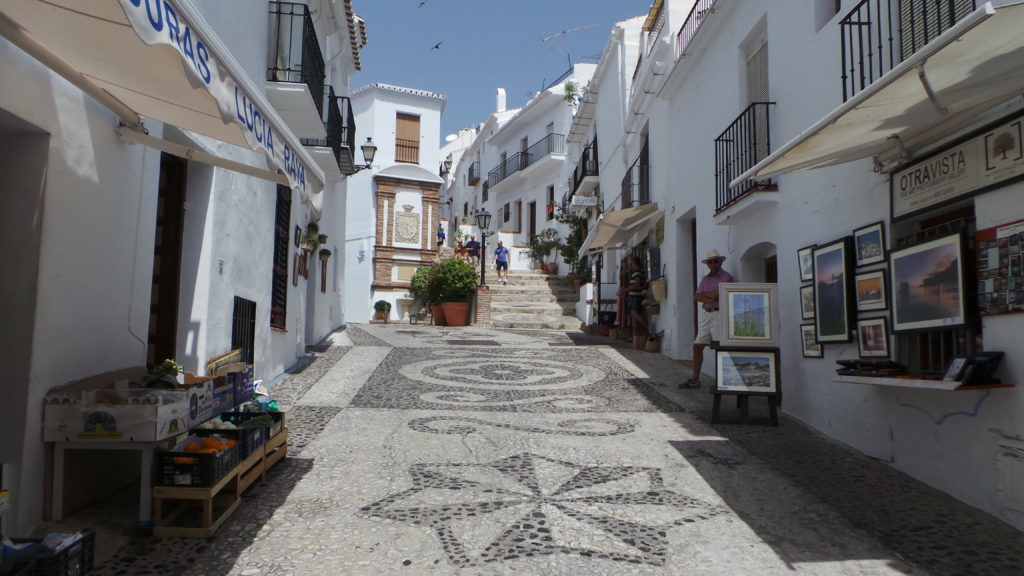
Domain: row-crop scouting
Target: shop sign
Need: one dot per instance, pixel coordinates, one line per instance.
(989, 158)
(584, 201)
(157, 22)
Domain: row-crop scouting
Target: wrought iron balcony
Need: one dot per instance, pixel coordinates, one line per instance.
(407, 151)
(879, 34)
(696, 17)
(586, 168)
(636, 188)
(742, 145)
(294, 52)
(550, 144)
(339, 123)
(473, 174)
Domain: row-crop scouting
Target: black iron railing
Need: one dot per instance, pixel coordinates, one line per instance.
(636, 188)
(339, 123)
(742, 145)
(243, 328)
(293, 51)
(655, 32)
(879, 34)
(550, 144)
(347, 160)
(587, 166)
(694, 19)
(407, 151)
(506, 168)
(473, 174)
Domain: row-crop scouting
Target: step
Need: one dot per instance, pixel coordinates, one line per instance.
(533, 308)
(534, 321)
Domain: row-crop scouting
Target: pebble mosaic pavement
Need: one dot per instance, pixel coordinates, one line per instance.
(412, 453)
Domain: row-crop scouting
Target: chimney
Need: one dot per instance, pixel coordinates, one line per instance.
(501, 100)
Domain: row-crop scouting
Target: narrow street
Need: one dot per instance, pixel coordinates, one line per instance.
(417, 449)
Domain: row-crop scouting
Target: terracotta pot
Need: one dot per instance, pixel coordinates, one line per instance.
(456, 313)
(639, 341)
(653, 345)
(551, 267)
(380, 315)
(437, 311)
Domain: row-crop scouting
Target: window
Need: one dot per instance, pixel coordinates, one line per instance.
(279, 281)
(518, 224)
(243, 328)
(551, 203)
(407, 138)
(506, 212)
(465, 209)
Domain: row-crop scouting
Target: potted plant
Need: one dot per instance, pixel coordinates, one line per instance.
(164, 375)
(541, 248)
(426, 292)
(570, 248)
(312, 236)
(383, 310)
(453, 282)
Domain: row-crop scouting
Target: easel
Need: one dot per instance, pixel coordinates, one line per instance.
(742, 402)
(771, 390)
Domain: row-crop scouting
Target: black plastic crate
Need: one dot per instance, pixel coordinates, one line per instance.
(247, 441)
(74, 559)
(194, 469)
(240, 418)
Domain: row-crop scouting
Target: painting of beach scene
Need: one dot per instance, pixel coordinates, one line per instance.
(870, 290)
(927, 285)
(869, 244)
(747, 371)
(831, 292)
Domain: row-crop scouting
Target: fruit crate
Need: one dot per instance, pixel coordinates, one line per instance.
(247, 441)
(240, 418)
(198, 469)
(74, 559)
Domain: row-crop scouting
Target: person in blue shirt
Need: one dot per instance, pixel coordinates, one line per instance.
(473, 248)
(440, 236)
(501, 259)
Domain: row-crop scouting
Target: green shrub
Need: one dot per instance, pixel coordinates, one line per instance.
(419, 285)
(453, 281)
(382, 306)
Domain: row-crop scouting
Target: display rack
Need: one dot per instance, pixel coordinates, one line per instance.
(217, 502)
(949, 386)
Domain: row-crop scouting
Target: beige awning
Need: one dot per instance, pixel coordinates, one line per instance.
(617, 227)
(160, 60)
(972, 67)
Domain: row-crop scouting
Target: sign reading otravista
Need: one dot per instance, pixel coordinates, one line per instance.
(158, 22)
(991, 157)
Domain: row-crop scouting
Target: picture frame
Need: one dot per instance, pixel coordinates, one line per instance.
(873, 338)
(869, 244)
(298, 236)
(749, 314)
(870, 290)
(980, 368)
(743, 371)
(832, 283)
(927, 285)
(807, 302)
(956, 369)
(809, 342)
(805, 262)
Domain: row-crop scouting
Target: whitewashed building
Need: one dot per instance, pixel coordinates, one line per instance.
(772, 131)
(393, 205)
(157, 186)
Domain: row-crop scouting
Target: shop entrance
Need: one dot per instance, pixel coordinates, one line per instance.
(170, 220)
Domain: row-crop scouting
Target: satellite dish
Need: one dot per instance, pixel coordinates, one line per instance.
(451, 138)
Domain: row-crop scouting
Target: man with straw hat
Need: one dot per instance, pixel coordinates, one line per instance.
(707, 328)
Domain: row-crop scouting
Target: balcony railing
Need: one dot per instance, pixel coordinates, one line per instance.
(587, 165)
(879, 34)
(694, 19)
(339, 124)
(407, 151)
(550, 144)
(636, 188)
(294, 53)
(742, 145)
(655, 32)
(473, 174)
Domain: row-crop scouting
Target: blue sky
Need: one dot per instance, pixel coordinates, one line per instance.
(486, 45)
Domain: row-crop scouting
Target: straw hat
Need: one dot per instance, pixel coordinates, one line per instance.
(713, 255)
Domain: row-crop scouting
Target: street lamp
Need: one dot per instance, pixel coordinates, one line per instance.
(483, 222)
(369, 151)
(446, 166)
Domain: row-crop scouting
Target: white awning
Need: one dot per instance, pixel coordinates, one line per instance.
(970, 68)
(616, 227)
(160, 59)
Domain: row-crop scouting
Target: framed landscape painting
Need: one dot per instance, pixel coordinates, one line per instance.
(750, 371)
(807, 302)
(805, 259)
(809, 342)
(869, 244)
(832, 318)
(749, 316)
(927, 285)
(873, 338)
(870, 288)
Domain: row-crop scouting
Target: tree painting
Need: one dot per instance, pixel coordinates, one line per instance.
(1003, 144)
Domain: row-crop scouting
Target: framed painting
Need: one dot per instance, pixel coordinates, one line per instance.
(869, 244)
(927, 285)
(748, 371)
(869, 289)
(748, 315)
(809, 342)
(805, 258)
(807, 302)
(832, 310)
(873, 338)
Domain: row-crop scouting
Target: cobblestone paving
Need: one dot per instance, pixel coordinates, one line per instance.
(412, 454)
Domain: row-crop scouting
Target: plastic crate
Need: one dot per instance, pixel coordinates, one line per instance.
(74, 559)
(240, 418)
(247, 441)
(194, 469)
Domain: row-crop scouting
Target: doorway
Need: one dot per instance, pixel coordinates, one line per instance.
(170, 221)
(532, 211)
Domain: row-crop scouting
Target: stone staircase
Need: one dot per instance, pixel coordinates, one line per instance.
(533, 300)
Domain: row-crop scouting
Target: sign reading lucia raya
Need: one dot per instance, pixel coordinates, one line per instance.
(994, 156)
(157, 22)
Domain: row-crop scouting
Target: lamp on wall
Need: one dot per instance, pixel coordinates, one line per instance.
(446, 166)
(483, 222)
(369, 151)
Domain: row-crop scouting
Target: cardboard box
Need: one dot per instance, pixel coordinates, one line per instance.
(199, 394)
(242, 381)
(223, 395)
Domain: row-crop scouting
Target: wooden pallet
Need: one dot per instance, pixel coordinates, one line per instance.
(217, 502)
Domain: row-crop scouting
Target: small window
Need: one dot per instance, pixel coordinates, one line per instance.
(551, 203)
(243, 328)
(506, 212)
(282, 236)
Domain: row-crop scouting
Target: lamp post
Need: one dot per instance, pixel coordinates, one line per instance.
(483, 222)
(369, 151)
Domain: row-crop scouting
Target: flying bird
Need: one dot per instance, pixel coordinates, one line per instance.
(422, 3)
(437, 46)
